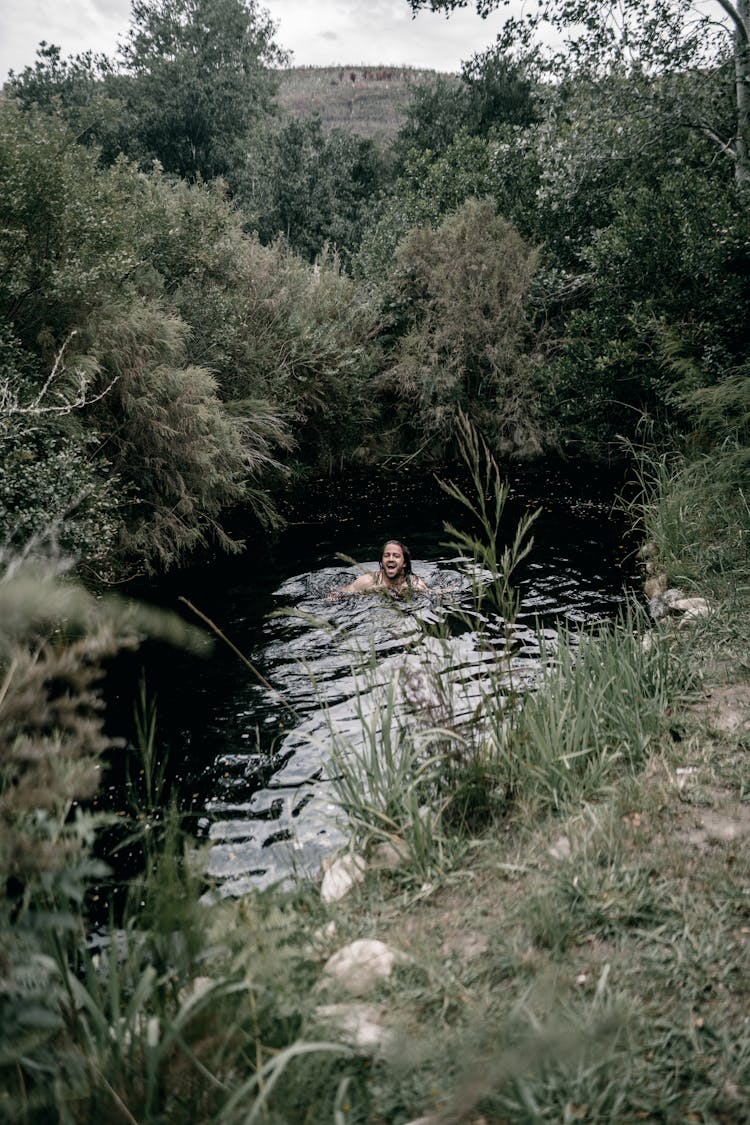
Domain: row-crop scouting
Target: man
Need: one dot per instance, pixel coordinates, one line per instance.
(394, 573)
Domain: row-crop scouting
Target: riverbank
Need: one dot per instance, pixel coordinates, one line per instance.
(582, 955)
(585, 958)
(566, 940)
(592, 966)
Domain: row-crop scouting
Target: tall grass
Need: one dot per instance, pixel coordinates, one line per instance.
(598, 711)
(167, 1018)
(383, 783)
(696, 511)
(423, 744)
(481, 749)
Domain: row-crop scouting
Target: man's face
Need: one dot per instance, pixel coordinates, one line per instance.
(393, 561)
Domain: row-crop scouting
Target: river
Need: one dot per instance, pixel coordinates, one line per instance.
(248, 750)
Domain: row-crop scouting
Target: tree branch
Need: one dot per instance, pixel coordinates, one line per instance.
(9, 404)
(734, 15)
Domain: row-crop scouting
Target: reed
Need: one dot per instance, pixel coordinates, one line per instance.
(599, 710)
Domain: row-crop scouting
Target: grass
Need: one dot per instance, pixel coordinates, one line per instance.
(696, 512)
(582, 956)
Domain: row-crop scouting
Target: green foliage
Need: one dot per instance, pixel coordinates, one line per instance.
(437, 111)
(291, 347)
(170, 1018)
(458, 293)
(419, 769)
(493, 91)
(501, 91)
(668, 266)
(53, 485)
(386, 784)
(503, 167)
(478, 543)
(598, 712)
(301, 340)
(312, 187)
(696, 510)
(190, 81)
(84, 89)
(65, 247)
(426, 191)
(190, 351)
(199, 76)
(51, 741)
(644, 60)
(75, 272)
(187, 451)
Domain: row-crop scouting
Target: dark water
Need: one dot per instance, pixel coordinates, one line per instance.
(249, 752)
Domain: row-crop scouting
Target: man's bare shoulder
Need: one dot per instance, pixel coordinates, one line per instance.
(362, 582)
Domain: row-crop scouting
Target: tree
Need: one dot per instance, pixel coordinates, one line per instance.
(310, 186)
(85, 89)
(503, 167)
(501, 91)
(191, 80)
(493, 91)
(437, 110)
(648, 41)
(199, 76)
(467, 343)
(74, 268)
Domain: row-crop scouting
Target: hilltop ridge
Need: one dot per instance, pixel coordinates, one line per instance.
(367, 100)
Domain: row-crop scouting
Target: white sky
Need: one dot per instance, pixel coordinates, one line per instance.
(318, 32)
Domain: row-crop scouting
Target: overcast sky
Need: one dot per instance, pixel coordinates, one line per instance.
(318, 32)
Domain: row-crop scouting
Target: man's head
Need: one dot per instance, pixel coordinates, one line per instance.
(395, 558)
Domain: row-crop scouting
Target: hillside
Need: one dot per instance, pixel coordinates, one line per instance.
(365, 100)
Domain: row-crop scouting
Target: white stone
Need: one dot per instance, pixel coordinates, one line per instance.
(691, 607)
(561, 848)
(360, 1024)
(361, 965)
(342, 874)
(389, 854)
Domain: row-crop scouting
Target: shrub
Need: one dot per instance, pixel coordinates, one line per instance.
(459, 292)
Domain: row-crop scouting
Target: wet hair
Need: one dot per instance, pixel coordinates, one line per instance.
(404, 551)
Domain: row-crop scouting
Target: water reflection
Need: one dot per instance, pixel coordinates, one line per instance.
(271, 810)
(250, 761)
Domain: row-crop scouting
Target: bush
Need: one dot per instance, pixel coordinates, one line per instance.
(459, 293)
